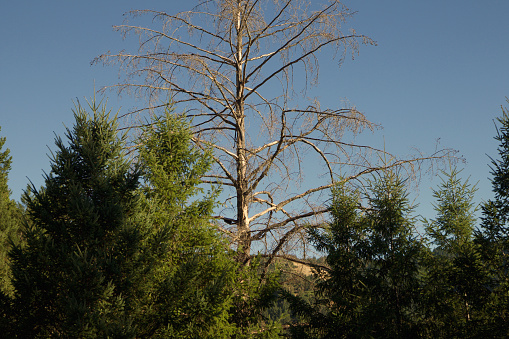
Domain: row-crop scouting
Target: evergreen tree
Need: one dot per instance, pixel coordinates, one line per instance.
(78, 272)
(455, 221)
(455, 273)
(339, 291)
(393, 255)
(494, 234)
(191, 275)
(196, 289)
(496, 211)
(9, 233)
(371, 288)
(10, 214)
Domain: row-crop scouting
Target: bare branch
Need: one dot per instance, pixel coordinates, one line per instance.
(220, 63)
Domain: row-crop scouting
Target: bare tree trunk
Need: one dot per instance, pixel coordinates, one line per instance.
(244, 245)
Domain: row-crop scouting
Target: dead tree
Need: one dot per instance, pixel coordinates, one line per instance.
(233, 66)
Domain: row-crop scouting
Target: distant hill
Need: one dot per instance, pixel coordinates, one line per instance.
(299, 268)
(302, 269)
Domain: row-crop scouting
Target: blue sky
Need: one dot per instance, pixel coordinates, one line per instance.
(439, 71)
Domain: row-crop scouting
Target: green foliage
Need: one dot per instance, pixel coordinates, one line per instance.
(116, 250)
(189, 290)
(455, 221)
(454, 275)
(294, 282)
(173, 167)
(255, 295)
(197, 289)
(344, 243)
(496, 212)
(78, 271)
(493, 238)
(112, 249)
(10, 215)
(372, 285)
(394, 254)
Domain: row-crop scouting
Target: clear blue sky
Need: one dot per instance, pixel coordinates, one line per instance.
(440, 70)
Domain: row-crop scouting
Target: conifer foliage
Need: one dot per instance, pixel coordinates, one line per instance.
(371, 288)
(455, 276)
(394, 253)
(78, 271)
(117, 250)
(496, 211)
(9, 219)
(494, 235)
(196, 287)
(191, 273)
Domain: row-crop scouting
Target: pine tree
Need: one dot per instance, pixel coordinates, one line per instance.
(78, 272)
(10, 214)
(393, 256)
(191, 276)
(371, 288)
(455, 273)
(339, 290)
(493, 237)
(496, 211)
(195, 289)
(455, 221)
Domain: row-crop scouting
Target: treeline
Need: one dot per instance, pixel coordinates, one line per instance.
(116, 245)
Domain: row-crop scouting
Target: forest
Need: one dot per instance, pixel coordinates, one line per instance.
(192, 222)
(115, 248)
